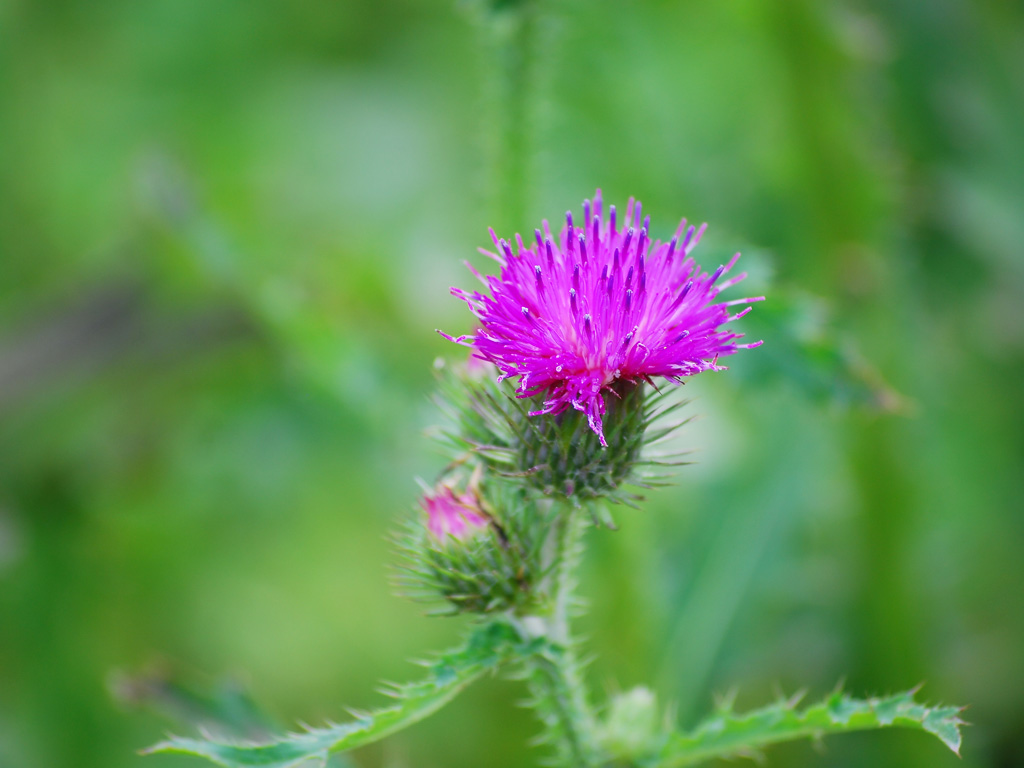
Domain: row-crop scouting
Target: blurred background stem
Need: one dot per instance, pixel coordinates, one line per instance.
(510, 29)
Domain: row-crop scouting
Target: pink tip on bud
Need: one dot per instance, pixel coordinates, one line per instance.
(457, 515)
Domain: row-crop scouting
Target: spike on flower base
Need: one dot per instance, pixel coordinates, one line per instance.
(561, 455)
(558, 455)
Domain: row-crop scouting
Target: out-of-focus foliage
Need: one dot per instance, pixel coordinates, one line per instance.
(227, 231)
(487, 646)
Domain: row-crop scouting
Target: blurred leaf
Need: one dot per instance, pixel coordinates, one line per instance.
(223, 710)
(453, 671)
(806, 350)
(730, 735)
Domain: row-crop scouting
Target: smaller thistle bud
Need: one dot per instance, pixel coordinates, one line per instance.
(478, 547)
(452, 514)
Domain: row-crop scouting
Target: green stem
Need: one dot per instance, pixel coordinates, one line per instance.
(559, 692)
(562, 706)
(565, 557)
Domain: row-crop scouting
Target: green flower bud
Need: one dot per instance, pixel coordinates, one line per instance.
(477, 550)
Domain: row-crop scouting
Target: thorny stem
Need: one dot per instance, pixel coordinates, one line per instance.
(564, 559)
(563, 707)
(560, 695)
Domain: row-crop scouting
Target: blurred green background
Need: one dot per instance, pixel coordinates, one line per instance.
(227, 233)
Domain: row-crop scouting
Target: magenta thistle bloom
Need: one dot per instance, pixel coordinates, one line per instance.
(451, 514)
(599, 304)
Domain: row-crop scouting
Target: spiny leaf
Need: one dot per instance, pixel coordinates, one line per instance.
(486, 647)
(726, 734)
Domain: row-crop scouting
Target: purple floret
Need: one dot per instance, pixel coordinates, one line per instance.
(571, 316)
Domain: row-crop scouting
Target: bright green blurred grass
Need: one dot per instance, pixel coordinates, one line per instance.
(227, 231)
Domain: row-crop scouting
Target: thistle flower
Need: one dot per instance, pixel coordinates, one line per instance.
(598, 305)
(451, 514)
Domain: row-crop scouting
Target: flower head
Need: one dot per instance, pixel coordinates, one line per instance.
(452, 514)
(601, 303)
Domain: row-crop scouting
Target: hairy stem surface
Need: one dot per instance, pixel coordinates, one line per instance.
(556, 681)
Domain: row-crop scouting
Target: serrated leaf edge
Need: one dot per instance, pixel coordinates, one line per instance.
(487, 646)
(726, 734)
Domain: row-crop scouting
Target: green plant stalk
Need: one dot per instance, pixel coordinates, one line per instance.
(561, 704)
(560, 696)
(565, 557)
